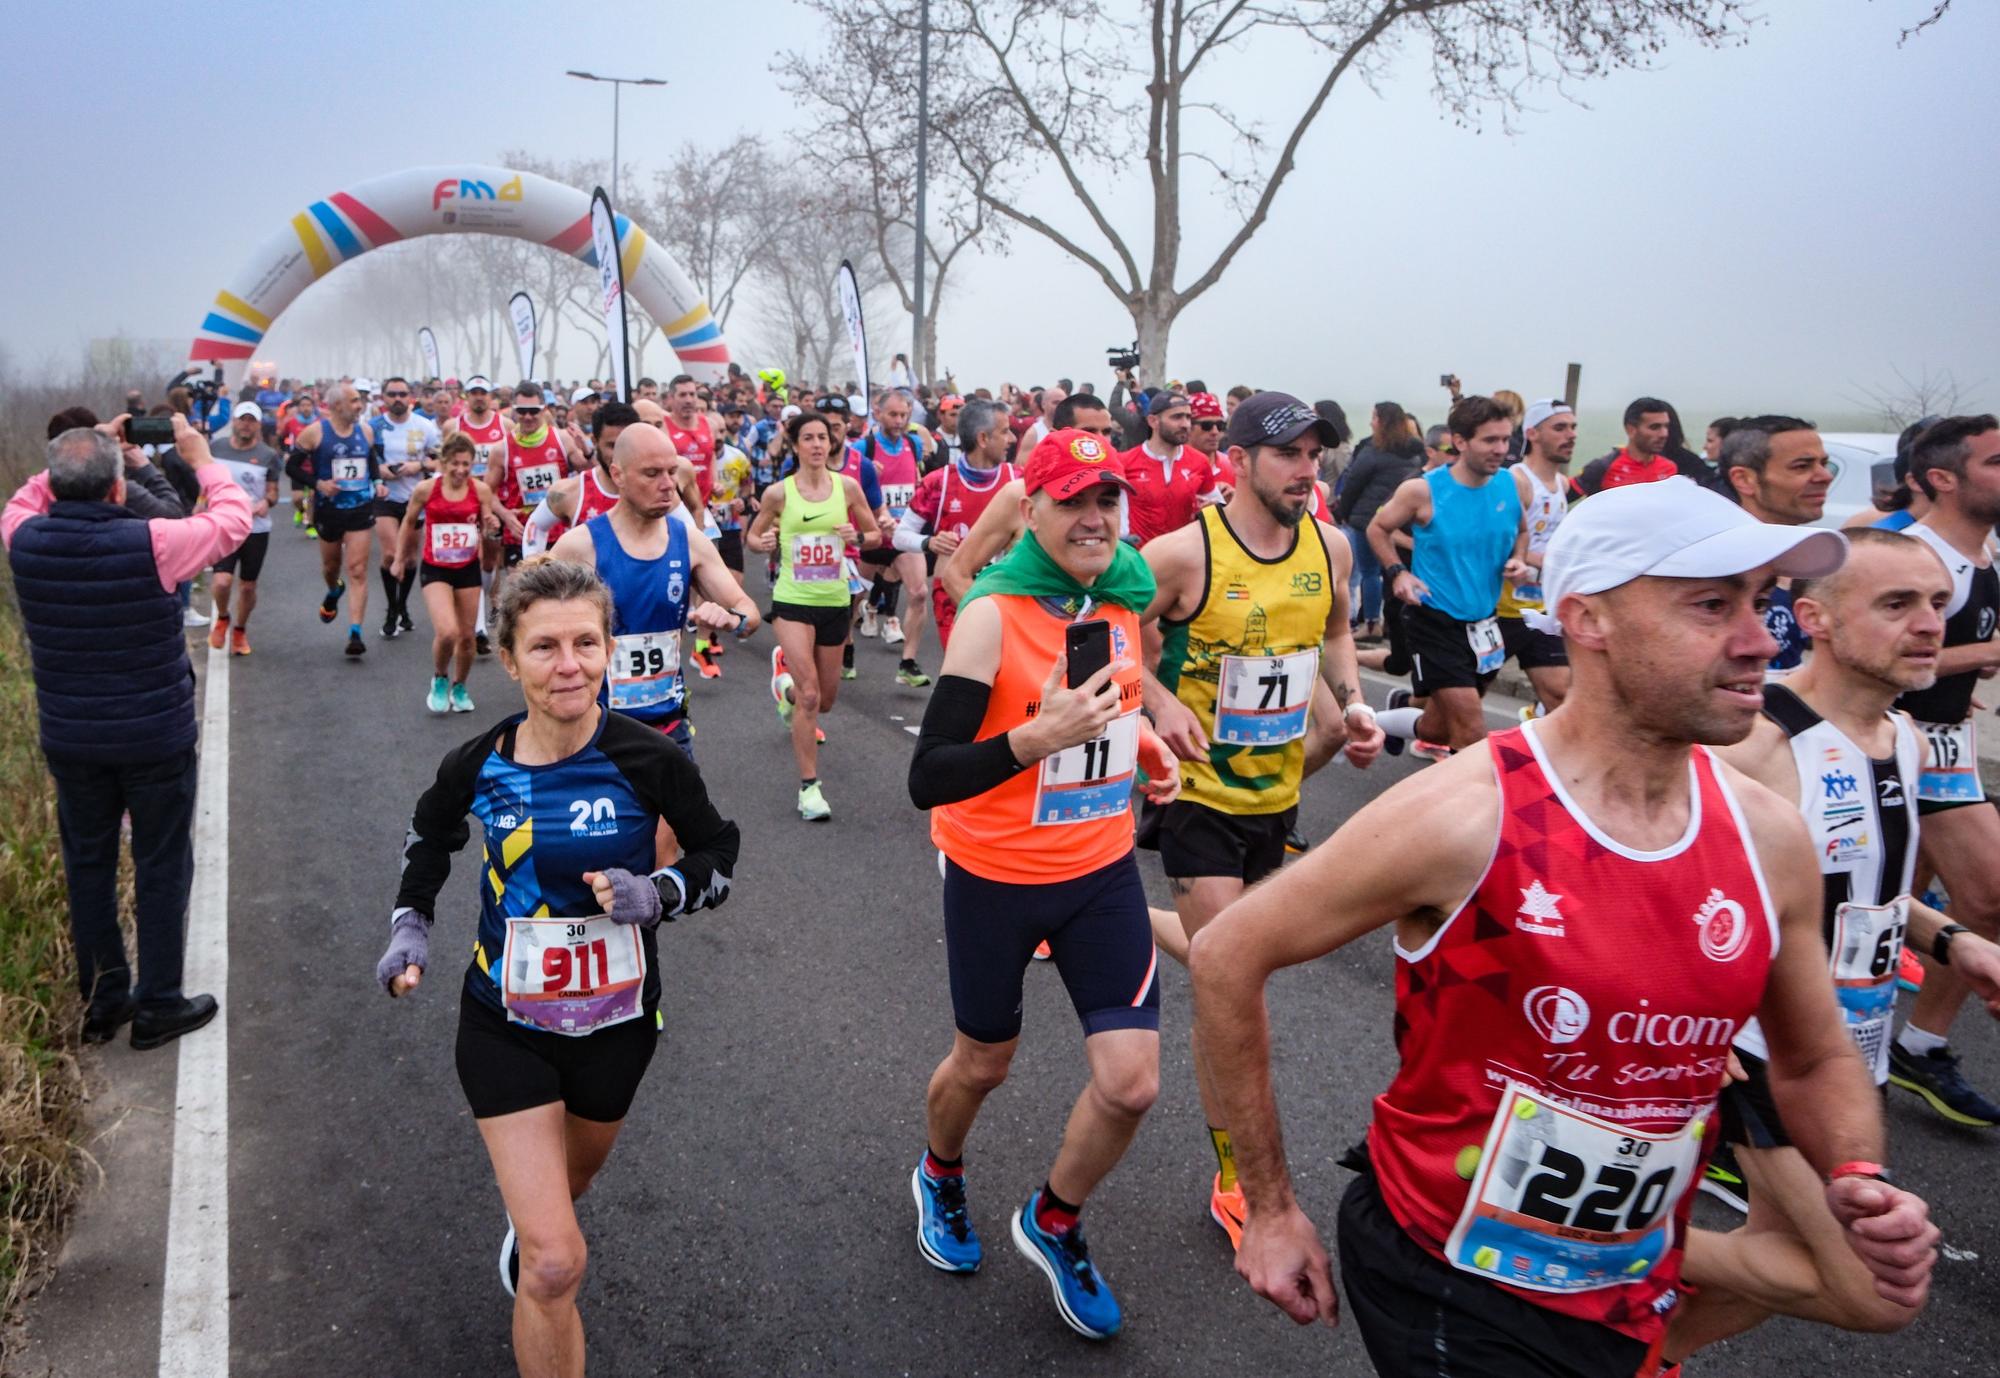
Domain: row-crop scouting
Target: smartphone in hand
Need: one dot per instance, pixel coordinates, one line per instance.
(1087, 646)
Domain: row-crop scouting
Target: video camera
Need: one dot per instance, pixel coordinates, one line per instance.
(203, 391)
(1124, 358)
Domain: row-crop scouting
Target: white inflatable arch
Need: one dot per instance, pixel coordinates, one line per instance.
(448, 200)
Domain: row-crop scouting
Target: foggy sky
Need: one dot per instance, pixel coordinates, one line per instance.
(1771, 227)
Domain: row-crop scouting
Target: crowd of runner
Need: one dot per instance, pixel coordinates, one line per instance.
(1750, 756)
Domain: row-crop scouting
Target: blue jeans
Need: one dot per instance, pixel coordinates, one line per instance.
(91, 801)
(1367, 577)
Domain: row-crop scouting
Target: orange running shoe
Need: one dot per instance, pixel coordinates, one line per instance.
(218, 631)
(1042, 953)
(704, 661)
(1909, 971)
(1226, 1209)
(239, 642)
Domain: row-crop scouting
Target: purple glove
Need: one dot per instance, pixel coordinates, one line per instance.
(634, 899)
(409, 946)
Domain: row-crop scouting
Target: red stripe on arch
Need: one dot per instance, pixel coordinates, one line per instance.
(707, 354)
(378, 230)
(573, 238)
(219, 349)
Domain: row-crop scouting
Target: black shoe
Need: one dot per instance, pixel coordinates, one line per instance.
(1296, 844)
(1723, 1180)
(403, 621)
(482, 645)
(329, 606)
(155, 1025)
(1391, 743)
(355, 645)
(1935, 1077)
(102, 1023)
(389, 632)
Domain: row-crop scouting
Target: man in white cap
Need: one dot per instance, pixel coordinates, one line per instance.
(255, 467)
(1591, 904)
(1542, 479)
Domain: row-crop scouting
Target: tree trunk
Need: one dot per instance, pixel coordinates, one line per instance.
(927, 366)
(1152, 324)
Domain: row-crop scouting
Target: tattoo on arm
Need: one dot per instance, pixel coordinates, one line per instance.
(1342, 695)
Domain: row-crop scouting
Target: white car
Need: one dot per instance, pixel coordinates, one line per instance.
(1855, 458)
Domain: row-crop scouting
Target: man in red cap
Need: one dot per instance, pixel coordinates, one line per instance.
(1205, 415)
(1170, 479)
(1030, 748)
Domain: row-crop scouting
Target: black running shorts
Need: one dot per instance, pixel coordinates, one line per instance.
(1096, 926)
(465, 576)
(505, 1068)
(333, 523)
(1414, 1309)
(830, 625)
(1531, 649)
(1441, 653)
(391, 508)
(246, 562)
(1196, 840)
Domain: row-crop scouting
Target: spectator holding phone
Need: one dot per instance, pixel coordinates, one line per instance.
(116, 698)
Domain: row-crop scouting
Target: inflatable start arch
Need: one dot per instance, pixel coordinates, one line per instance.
(449, 200)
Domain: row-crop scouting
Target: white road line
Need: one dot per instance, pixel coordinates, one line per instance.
(194, 1301)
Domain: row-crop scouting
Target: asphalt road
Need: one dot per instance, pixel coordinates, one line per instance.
(756, 1217)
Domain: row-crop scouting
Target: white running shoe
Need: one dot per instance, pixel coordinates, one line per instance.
(892, 631)
(869, 622)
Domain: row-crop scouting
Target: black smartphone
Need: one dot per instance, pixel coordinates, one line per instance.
(1087, 645)
(149, 430)
(1444, 379)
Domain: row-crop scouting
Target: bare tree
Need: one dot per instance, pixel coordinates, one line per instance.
(799, 305)
(1090, 91)
(869, 126)
(714, 210)
(1911, 399)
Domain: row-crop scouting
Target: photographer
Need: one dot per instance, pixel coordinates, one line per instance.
(116, 699)
(147, 492)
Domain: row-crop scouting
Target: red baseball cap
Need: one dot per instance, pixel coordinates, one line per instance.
(1069, 461)
(1204, 406)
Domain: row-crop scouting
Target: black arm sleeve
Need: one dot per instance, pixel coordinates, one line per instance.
(438, 827)
(668, 783)
(949, 765)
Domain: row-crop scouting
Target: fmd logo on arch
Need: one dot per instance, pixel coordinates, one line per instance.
(466, 188)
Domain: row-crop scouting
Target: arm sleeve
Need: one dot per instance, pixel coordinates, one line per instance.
(668, 783)
(950, 765)
(438, 827)
(910, 531)
(535, 538)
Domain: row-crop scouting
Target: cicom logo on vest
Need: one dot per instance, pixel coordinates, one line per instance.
(1557, 1013)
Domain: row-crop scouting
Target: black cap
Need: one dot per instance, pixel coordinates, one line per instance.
(1276, 418)
(1165, 400)
(833, 404)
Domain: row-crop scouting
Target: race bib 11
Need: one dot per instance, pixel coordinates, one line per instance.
(1092, 779)
(1951, 768)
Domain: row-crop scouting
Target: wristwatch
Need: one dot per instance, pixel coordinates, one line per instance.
(1941, 944)
(1390, 573)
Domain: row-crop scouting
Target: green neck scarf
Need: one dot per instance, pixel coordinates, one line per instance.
(1028, 571)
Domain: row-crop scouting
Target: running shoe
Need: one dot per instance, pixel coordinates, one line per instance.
(481, 644)
(1909, 971)
(1935, 1077)
(389, 629)
(870, 622)
(1430, 751)
(218, 633)
(1528, 712)
(1391, 743)
(945, 1236)
(1296, 844)
(819, 735)
(239, 642)
(704, 661)
(329, 606)
(909, 673)
(510, 1260)
(781, 685)
(298, 516)
(355, 645)
(439, 698)
(461, 701)
(1082, 1297)
(1226, 1208)
(1724, 1180)
(812, 804)
(312, 532)
(403, 621)
(1043, 952)
(892, 631)
(848, 672)
(1398, 698)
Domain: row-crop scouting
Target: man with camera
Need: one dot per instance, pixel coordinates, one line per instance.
(116, 698)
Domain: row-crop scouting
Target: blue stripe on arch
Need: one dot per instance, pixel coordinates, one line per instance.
(700, 335)
(230, 330)
(336, 230)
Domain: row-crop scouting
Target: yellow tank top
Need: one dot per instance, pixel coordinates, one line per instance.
(1246, 662)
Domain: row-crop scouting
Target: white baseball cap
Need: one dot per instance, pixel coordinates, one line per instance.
(247, 409)
(1542, 410)
(582, 395)
(364, 385)
(1673, 529)
(477, 383)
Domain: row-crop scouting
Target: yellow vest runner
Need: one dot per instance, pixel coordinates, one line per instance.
(810, 554)
(1245, 662)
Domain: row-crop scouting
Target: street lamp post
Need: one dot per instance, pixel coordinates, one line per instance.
(615, 83)
(923, 152)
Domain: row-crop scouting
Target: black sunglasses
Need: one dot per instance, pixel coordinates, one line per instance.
(1211, 425)
(395, 394)
(527, 411)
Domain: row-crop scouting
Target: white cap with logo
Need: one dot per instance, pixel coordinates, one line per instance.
(247, 408)
(1673, 529)
(477, 383)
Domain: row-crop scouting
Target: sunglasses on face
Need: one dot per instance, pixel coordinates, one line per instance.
(395, 394)
(527, 412)
(1211, 425)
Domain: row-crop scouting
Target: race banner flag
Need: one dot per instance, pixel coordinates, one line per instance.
(611, 278)
(850, 307)
(428, 344)
(521, 308)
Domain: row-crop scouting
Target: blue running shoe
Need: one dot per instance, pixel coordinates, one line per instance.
(945, 1236)
(1935, 1077)
(1082, 1297)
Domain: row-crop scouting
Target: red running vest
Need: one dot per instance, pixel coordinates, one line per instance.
(1563, 1039)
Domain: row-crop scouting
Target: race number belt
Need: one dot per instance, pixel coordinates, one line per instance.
(1092, 779)
(572, 976)
(1489, 652)
(1951, 770)
(1562, 1201)
(1263, 699)
(816, 557)
(645, 669)
(454, 543)
(1867, 940)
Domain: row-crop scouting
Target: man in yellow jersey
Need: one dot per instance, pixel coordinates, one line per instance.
(1249, 616)
(1031, 745)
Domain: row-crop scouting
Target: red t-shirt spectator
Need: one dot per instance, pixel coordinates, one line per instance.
(1164, 497)
(1626, 468)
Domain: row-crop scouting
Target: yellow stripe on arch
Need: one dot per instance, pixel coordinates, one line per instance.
(628, 257)
(243, 310)
(316, 254)
(698, 316)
